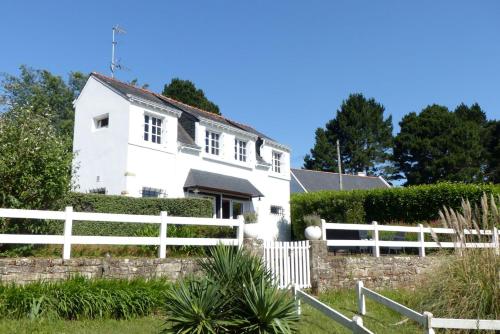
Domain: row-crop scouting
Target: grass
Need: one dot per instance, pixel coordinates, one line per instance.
(379, 319)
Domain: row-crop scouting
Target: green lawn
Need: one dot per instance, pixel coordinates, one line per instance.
(379, 319)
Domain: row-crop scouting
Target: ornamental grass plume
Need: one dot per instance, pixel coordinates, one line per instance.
(468, 285)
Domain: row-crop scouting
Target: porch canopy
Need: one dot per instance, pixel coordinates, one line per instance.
(213, 182)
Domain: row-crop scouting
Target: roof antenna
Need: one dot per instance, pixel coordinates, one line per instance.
(114, 64)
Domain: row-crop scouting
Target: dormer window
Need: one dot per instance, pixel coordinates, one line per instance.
(277, 162)
(212, 142)
(240, 150)
(152, 129)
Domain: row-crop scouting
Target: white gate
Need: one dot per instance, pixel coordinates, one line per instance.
(288, 262)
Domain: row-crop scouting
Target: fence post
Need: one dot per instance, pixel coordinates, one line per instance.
(241, 226)
(428, 323)
(296, 299)
(68, 227)
(357, 324)
(495, 241)
(323, 229)
(421, 239)
(162, 249)
(361, 298)
(376, 248)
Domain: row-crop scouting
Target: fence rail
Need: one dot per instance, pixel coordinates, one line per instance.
(162, 240)
(355, 324)
(375, 243)
(425, 319)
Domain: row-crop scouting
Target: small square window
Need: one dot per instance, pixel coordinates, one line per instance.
(277, 210)
(101, 122)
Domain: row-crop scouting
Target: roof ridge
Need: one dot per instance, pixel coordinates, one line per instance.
(322, 171)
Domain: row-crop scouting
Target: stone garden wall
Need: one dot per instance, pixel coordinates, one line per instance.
(338, 272)
(25, 270)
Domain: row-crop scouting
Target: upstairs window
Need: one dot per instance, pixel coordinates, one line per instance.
(152, 129)
(276, 162)
(101, 121)
(240, 150)
(212, 142)
(151, 192)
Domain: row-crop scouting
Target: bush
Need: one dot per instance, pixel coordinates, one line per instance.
(182, 207)
(408, 205)
(236, 296)
(79, 298)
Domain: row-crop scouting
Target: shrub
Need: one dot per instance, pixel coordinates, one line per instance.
(79, 298)
(409, 205)
(236, 296)
(467, 285)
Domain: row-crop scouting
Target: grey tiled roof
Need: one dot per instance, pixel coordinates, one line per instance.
(220, 183)
(125, 89)
(316, 180)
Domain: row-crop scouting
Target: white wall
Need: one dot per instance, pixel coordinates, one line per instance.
(100, 152)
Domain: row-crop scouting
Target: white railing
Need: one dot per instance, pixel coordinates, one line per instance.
(288, 262)
(162, 240)
(425, 319)
(355, 324)
(375, 243)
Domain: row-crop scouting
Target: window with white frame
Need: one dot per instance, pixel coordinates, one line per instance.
(277, 210)
(240, 150)
(277, 162)
(212, 142)
(152, 129)
(151, 192)
(102, 121)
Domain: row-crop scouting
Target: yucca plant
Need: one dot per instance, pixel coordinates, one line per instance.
(236, 295)
(467, 286)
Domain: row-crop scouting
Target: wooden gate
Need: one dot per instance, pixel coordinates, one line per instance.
(288, 262)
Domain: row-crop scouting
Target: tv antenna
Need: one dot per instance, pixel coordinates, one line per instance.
(114, 63)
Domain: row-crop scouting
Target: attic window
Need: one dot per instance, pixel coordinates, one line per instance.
(152, 129)
(102, 121)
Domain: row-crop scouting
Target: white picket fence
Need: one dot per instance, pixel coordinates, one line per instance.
(162, 240)
(288, 262)
(375, 243)
(425, 319)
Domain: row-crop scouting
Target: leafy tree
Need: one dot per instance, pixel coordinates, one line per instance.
(365, 138)
(185, 91)
(439, 145)
(35, 163)
(44, 91)
(492, 147)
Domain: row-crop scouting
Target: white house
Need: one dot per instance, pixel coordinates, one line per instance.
(133, 142)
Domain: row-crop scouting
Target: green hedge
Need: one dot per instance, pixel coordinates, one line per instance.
(403, 205)
(181, 207)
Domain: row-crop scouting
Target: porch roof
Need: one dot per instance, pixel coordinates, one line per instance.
(202, 180)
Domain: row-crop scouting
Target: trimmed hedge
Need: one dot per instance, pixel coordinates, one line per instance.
(181, 207)
(403, 205)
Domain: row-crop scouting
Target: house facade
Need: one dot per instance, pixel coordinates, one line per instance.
(133, 142)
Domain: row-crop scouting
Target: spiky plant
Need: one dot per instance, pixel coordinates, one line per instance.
(468, 285)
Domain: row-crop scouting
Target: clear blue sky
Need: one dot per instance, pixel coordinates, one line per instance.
(282, 66)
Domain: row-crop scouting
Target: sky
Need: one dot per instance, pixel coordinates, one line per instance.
(283, 67)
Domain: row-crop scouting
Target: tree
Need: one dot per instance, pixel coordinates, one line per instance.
(439, 145)
(492, 147)
(364, 135)
(44, 91)
(35, 163)
(185, 91)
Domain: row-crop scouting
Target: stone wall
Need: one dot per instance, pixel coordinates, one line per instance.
(338, 272)
(25, 270)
